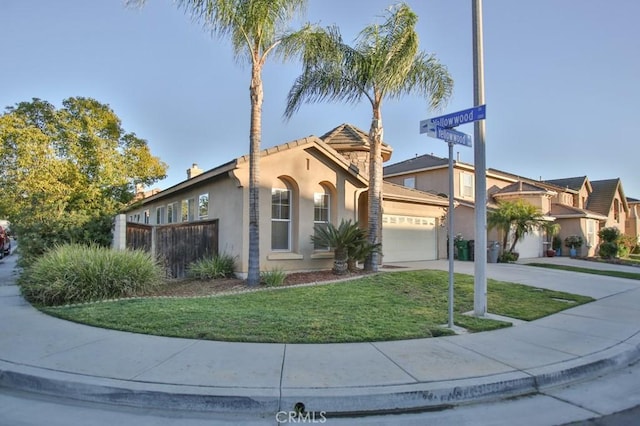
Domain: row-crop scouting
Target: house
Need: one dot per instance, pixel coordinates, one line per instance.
(306, 182)
(580, 206)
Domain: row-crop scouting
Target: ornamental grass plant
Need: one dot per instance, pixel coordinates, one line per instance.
(75, 273)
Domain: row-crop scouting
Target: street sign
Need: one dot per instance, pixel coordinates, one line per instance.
(454, 119)
(453, 136)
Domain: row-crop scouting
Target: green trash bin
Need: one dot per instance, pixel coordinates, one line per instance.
(462, 249)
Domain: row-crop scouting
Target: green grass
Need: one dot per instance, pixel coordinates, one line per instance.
(388, 306)
(617, 274)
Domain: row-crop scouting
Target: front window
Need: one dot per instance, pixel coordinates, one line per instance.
(280, 219)
(187, 210)
(147, 215)
(466, 185)
(321, 215)
(410, 182)
(616, 210)
(172, 213)
(591, 233)
(160, 215)
(203, 206)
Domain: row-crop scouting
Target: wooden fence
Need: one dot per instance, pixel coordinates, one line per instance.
(176, 245)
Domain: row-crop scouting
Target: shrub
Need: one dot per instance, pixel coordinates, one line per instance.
(219, 266)
(608, 249)
(273, 278)
(509, 256)
(573, 241)
(76, 273)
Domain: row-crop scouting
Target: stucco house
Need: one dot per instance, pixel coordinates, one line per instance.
(580, 206)
(306, 182)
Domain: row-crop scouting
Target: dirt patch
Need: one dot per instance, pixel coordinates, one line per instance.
(195, 288)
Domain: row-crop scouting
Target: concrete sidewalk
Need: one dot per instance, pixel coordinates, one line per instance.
(42, 354)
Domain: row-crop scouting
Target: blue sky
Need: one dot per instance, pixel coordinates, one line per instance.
(562, 80)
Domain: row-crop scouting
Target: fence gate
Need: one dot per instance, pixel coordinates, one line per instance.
(176, 245)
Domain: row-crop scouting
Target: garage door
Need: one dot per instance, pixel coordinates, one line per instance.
(408, 238)
(531, 245)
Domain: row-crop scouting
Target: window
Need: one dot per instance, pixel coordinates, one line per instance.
(147, 215)
(466, 185)
(203, 206)
(410, 182)
(321, 215)
(160, 215)
(616, 210)
(591, 233)
(187, 211)
(280, 219)
(172, 213)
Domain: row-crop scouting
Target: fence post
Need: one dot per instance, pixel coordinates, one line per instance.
(120, 233)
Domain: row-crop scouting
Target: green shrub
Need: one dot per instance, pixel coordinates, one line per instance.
(573, 241)
(220, 266)
(273, 278)
(75, 273)
(608, 249)
(610, 234)
(509, 256)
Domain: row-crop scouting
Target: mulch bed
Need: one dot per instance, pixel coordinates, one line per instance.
(197, 288)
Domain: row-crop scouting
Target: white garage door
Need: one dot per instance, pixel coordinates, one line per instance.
(408, 238)
(531, 245)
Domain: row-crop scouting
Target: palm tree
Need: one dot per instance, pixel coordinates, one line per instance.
(256, 29)
(516, 218)
(348, 241)
(384, 63)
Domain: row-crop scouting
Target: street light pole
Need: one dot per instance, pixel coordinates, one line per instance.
(479, 153)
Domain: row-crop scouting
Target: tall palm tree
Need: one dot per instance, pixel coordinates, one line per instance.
(384, 63)
(256, 29)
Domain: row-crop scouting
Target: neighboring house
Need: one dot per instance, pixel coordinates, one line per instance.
(304, 183)
(581, 207)
(633, 220)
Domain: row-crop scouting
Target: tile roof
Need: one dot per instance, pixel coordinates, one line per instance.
(601, 199)
(574, 183)
(347, 137)
(563, 211)
(415, 164)
(395, 191)
(521, 186)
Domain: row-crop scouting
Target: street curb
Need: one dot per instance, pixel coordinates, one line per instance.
(332, 402)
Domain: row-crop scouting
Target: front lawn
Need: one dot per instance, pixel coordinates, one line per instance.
(386, 306)
(617, 274)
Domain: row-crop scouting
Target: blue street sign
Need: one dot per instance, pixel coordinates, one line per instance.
(454, 119)
(453, 136)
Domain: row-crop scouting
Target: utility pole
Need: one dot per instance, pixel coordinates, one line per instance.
(480, 162)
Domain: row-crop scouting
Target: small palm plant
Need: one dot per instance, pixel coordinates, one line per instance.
(348, 241)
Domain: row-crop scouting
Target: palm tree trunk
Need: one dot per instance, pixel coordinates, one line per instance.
(375, 189)
(256, 95)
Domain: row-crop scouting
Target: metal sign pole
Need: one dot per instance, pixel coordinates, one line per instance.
(451, 236)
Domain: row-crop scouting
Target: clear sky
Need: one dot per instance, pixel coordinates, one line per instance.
(562, 80)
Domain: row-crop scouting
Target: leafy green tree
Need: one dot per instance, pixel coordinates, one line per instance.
(385, 63)
(65, 172)
(256, 29)
(515, 219)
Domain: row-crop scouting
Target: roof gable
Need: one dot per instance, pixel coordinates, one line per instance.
(574, 183)
(604, 192)
(347, 137)
(418, 163)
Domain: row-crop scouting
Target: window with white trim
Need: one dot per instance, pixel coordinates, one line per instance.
(321, 215)
(147, 215)
(466, 185)
(187, 211)
(280, 219)
(160, 215)
(172, 213)
(591, 233)
(203, 206)
(410, 182)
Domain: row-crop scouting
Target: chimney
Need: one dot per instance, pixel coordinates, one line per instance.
(193, 171)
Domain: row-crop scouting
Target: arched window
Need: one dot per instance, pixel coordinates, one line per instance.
(616, 210)
(321, 213)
